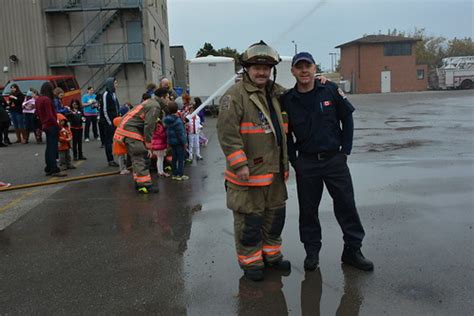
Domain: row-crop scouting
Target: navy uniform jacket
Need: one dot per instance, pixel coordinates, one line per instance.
(321, 124)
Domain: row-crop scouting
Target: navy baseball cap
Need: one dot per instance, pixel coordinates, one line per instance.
(302, 56)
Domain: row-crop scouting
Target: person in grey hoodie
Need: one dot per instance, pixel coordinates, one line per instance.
(109, 109)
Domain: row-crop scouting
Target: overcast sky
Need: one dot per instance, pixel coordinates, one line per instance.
(315, 26)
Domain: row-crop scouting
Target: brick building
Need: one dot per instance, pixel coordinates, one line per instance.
(382, 63)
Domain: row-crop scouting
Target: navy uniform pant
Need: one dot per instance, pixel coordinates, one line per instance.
(311, 177)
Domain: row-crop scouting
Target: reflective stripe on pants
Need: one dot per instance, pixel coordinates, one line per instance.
(137, 151)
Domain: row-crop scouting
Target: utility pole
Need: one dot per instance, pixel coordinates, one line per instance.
(296, 47)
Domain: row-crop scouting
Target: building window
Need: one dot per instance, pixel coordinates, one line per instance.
(163, 59)
(62, 84)
(397, 49)
(420, 74)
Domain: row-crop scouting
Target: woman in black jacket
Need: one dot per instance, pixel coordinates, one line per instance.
(15, 102)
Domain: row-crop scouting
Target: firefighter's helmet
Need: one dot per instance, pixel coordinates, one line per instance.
(259, 54)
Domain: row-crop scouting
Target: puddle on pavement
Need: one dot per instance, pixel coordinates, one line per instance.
(411, 128)
(390, 146)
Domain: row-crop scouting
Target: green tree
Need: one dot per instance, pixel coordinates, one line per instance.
(206, 50)
(232, 53)
(228, 52)
(460, 47)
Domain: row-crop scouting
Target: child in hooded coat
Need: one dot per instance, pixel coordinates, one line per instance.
(176, 137)
(64, 149)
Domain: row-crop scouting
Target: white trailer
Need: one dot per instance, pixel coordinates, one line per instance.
(207, 74)
(284, 76)
(456, 72)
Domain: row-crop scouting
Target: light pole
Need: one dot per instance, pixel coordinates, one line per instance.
(333, 60)
(296, 47)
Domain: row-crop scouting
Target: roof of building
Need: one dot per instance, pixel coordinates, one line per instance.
(379, 39)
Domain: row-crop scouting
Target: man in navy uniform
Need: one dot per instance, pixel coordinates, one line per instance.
(318, 154)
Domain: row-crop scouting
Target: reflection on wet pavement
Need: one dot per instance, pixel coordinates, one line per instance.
(262, 297)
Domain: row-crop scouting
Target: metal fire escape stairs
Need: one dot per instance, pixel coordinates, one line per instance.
(99, 24)
(85, 48)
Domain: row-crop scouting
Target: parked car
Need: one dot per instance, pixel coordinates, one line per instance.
(67, 83)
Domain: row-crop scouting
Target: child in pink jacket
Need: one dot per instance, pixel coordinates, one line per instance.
(158, 146)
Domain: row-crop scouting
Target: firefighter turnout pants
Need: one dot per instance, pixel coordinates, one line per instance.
(138, 153)
(259, 217)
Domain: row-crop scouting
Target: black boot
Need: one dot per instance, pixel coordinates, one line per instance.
(3, 145)
(147, 190)
(354, 257)
(311, 262)
(281, 265)
(254, 274)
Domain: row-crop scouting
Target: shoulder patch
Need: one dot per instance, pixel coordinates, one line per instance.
(225, 102)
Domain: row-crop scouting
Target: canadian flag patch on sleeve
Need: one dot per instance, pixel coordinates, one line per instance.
(327, 103)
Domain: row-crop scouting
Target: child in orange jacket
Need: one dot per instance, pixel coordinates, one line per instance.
(64, 149)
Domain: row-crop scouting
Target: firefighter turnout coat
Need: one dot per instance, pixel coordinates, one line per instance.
(247, 135)
(139, 123)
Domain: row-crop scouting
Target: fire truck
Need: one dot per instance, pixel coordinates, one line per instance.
(456, 73)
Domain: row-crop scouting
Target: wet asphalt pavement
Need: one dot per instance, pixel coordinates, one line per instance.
(95, 246)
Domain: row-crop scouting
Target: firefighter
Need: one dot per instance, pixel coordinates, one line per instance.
(251, 134)
(135, 132)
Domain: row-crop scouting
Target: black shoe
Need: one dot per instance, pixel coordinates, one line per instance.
(113, 164)
(75, 159)
(311, 262)
(82, 158)
(57, 174)
(254, 274)
(71, 167)
(354, 257)
(3, 145)
(8, 142)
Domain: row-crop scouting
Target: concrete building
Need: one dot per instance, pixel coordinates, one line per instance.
(178, 55)
(91, 39)
(382, 63)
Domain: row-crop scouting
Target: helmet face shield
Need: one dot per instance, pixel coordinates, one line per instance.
(260, 54)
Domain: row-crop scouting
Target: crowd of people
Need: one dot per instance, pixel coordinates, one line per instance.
(174, 136)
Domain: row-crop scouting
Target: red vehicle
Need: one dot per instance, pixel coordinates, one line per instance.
(67, 83)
